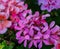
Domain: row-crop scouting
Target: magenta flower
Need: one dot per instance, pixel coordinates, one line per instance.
(49, 5)
(44, 39)
(23, 37)
(54, 37)
(34, 40)
(31, 27)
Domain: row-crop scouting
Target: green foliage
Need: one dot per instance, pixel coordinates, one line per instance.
(5, 45)
(20, 47)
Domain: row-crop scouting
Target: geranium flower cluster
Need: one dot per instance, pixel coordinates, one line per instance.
(49, 5)
(32, 28)
(7, 8)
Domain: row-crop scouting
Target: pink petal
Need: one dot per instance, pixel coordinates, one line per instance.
(35, 43)
(29, 11)
(55, 29)
(17, 28)
(36, 28)
(43, 7)
(21, 24)
(2, 6)
(40, 45)
(9, 24)
(55, 37)
(4, 0)
(52, 24)
(18, 34)
(25, 43)
(29, 17)
(30, 44)
(44, 16)
(46, 42)
(58, 33)
(46, 36)
(3, 31)
(48, 32)
(7, 13)
(45, 28)
(27, 37)
(26, 31)
(36, 13)
(21, 40)
(17, 9)
(31, 32)
(26, 6)
(24, 13)
(53, 40)
(1, 27)
(38, 35)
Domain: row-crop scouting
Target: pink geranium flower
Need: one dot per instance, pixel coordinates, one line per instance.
(49, 5)
(23, 37)
(31, 27)
(8, 6)
(4, 24)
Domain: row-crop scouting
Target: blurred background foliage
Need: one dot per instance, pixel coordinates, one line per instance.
(8, 41)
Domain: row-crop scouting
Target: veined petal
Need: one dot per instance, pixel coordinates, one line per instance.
(52, 24)
(30, 44)
(18, 34)
(31, 32)
(36, 28)
(55, 29)
(40, 45)
(46, 42)
(25, 43)
(45, 28)
(20, 40)
(35, 43)
(45, 16)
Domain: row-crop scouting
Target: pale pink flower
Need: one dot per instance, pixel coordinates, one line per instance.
(4, 24)
(8, 6)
